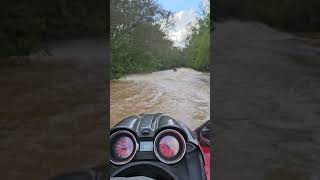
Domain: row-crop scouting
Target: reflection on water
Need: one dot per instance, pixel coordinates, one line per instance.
(185, 95)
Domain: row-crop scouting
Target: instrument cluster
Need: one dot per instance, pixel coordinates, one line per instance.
(168, 145)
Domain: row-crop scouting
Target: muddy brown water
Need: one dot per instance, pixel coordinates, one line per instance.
(52, 116)
(266, 103)
(184, 95)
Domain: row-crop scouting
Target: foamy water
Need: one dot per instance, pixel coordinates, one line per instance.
(185, 95)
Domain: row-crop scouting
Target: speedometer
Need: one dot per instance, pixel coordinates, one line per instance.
(123, 147)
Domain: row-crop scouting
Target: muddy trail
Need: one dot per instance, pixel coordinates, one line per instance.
(52, 116)
(266, 103)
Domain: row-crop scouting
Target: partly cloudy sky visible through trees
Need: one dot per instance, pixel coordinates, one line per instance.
(185, 13)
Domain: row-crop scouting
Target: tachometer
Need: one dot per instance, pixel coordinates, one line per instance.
(169, 146)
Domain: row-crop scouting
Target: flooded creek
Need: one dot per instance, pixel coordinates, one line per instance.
(184, 95)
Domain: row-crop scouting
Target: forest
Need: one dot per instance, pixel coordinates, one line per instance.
(138, 28)
(26, 26)
(139, 42)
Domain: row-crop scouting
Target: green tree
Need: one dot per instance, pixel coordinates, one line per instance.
(138, 38)
(198, 46)
(26, 25)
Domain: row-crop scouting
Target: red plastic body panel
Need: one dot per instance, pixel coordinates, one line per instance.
(206, 154)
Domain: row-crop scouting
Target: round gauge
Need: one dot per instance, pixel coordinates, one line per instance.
(123, 147)
(169, 146)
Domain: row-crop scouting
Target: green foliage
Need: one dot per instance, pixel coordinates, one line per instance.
(127, 60)
(198, 49)
(26, 25)
(139, 42)
(138, 39)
